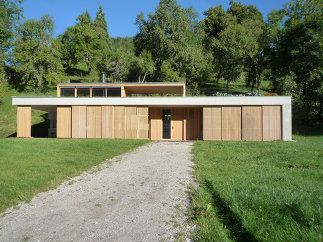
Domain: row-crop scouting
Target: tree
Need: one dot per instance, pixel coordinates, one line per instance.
(36, 61)
(235, 39)
(86, 47)
(297, 58)
(168, 34)
(10, 14)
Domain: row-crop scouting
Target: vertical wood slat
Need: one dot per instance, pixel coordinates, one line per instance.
(142, 123)
(94, 122)
(78, 121)
(119, 122)
(231, 123)
(24, 121)
(130, 122)
(212, 123)
(272, 123)
(177, 115)
(64, 122)
(193, 127)
(156, 123)
(252, 123)
(107, 122)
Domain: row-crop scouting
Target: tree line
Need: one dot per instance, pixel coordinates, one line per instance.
(172, 44)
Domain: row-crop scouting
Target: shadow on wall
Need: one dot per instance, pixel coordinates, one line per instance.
(230, 220)
(39, 130)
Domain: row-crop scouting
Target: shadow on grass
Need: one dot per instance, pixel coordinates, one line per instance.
(230, 219)
(39, 130)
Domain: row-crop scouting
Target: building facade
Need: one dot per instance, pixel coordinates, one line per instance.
(132, 111)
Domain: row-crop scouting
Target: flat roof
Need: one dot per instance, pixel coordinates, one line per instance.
(50, 103)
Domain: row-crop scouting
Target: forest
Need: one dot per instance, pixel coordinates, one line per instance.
(171, 45)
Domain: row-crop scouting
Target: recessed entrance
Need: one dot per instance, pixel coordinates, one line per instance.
(166, 123)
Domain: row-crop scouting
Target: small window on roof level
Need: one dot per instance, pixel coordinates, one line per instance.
(114, 91)
(83, 92)
(98, 92)
(67, 92)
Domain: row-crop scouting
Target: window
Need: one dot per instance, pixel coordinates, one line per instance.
(98, 92)
(67, 92)
(83, 92)
(114, 91)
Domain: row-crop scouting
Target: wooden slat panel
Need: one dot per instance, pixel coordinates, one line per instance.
(212, 123)
(193, 126)
(177, 115)
(107, 122)
(64, 122)
(24, 121)
(119, 122)
(271, 123)
(142, 123)
(93, 122)
(231, 123)
(252, 123)
(78, 121)
(130, 122)
(156, 123)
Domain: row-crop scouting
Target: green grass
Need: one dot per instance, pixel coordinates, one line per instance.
(29, 166)
(266, 191)
(8, 113)
(238, 86)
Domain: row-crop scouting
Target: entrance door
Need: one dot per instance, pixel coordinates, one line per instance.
(177, 117)
(166, 123)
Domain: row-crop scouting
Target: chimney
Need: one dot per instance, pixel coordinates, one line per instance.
(103, 78)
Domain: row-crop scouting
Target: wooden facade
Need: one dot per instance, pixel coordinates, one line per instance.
(24, 121)
(250, 123)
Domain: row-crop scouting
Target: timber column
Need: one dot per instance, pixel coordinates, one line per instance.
(24, 121)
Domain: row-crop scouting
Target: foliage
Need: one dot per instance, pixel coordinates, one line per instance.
(297, 53)
(86, 46)
(25, 167)
(170, 34)
(37, 62)
(10, 14)
(264, 191)
(235, 38)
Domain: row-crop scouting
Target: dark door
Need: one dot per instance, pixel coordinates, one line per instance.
(166, 123)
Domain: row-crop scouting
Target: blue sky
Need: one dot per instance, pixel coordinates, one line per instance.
(121, 14)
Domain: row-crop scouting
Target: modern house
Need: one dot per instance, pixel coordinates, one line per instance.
(156, 111)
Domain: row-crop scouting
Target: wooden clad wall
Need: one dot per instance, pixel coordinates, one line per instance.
(78, 121)
(64, 122)
(212, 123)
(252, 123)
(130, 122)
(193, 124)
(177, 117)
(119, 122)
(142, 122)
(231, 123)
(156, 123)
(272, 123)
(24, 121)
(93, 122)
(107, 122)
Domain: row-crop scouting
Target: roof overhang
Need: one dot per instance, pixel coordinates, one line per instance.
(43, 102)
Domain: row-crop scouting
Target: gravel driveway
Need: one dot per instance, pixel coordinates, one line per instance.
(138, 196)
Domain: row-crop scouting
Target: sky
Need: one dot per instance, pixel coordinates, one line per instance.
(121, 14)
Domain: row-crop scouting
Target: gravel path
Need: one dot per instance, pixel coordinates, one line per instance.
(138, 196)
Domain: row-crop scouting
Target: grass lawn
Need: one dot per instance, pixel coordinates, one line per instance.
(266, 191)
(29, 166)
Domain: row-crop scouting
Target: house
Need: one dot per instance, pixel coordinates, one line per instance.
(156, 111)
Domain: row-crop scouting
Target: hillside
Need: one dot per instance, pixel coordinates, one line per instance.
(8, 114)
